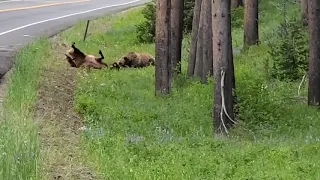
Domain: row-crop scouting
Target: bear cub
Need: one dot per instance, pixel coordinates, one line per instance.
(135, 60)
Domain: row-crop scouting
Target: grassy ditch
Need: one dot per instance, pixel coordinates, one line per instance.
(19, 143)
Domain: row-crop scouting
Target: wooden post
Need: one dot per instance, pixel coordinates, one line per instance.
(85, 33)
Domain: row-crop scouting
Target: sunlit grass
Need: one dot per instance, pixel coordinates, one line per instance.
(19, 143)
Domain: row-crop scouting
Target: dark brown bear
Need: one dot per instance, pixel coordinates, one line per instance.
(136, 60)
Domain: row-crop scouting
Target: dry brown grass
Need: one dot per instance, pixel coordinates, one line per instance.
(59, 124)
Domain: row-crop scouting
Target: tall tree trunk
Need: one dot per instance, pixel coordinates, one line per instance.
(207, 40)
(223, 115)
(314, 52)
(234, 94)
(304, 11)
(176, 33)
(198, 70)
(194, 37)
(163, 65)
(204, 64)
(236, 3)
(251, 31)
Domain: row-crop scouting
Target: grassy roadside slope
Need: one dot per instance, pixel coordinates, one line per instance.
(133, 135)
(38, 139)
(19, 141)
(39, 136)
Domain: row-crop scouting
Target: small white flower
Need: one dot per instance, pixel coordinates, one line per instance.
(83, 128)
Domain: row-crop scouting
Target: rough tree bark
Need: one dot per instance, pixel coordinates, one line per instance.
(236, 3)
(199, 53)
(176, 33)
(203, 62)
(194, 37)
(223, 116)
(314, 52)
(251, 31)
(163, 66)
(207, 40)
(304, 11)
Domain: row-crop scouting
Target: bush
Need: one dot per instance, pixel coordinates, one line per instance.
(237, 17)
(289, 52)
(188, 15)
(146, 29)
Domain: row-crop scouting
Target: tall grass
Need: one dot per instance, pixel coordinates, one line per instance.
(19, 143)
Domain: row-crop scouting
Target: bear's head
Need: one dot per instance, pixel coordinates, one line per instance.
(132, 56)
(152, 62)
(124, 61)
(70, 52)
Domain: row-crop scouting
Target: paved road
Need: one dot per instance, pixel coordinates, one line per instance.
(23, 19)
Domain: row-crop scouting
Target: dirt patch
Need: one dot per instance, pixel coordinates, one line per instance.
(3, 88)
(6, 58)
(59, 124)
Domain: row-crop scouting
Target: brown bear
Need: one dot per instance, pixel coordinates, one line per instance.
(136, 60)
(77, 58)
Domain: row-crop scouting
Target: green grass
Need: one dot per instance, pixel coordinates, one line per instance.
(19, 143)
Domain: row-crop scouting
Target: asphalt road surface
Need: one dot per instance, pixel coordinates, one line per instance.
(22, 20)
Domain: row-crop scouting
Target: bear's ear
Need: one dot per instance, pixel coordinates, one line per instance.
(126, 59)
(151, 62)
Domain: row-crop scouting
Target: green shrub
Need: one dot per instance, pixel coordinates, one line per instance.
(258, 104)
(237, 17)
(188, 15)
(146, 29)
(289, 51)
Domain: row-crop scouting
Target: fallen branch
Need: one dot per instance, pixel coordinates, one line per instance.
(303, 78)
(223, 108)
